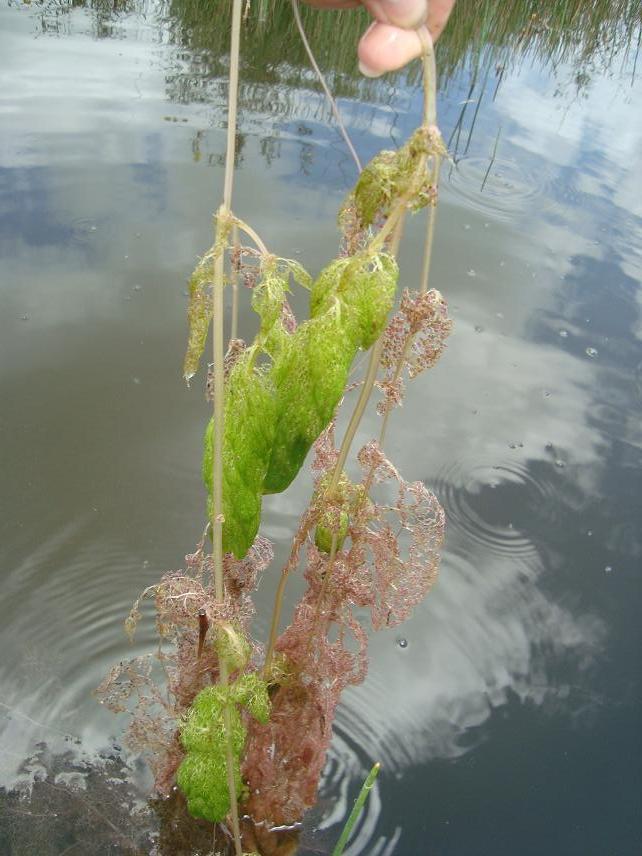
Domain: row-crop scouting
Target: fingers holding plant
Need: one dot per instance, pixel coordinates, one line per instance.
(399, 30)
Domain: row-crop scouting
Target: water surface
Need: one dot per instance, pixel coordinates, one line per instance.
(507, 712)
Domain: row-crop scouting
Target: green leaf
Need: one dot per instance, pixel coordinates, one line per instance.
(299, 273)
(268, 298)
(309, 378)
(329, 527)
(367, 292)
(199, 311)
(250, 691)
(247, 445)
(392, 175)
(350, 302)
(326, 286)
(199, 315)
(202, 775)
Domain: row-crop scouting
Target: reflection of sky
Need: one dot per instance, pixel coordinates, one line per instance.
(532, 444)
(536, 413)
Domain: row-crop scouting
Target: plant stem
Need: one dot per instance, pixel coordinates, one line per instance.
(394, 226)
(357, 413)
(423, 287)
(430, 229)
(326, 89)
(356, 810)
(235, 283)
(309, 520)
(324, 588)
(274, 625)
(252, 234)
(219, 397)
(430, 79)
(219, 422)
(232, 101)
(395, 221)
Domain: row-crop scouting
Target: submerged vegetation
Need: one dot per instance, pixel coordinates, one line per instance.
(245, 735)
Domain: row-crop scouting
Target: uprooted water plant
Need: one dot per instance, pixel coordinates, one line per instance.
(242, 731)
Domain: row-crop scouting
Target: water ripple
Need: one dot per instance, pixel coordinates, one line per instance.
(346, 768)
(496, 503)
(501, 189)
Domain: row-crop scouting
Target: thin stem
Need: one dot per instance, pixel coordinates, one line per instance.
(430, 78)
(391, 223)
(357, 413)
(430, 118)
(219, 422)
(249, 231)
(430, 229)
(392, 227)
(229, 763)
(324, 588)
(235, 282)
(217, 514)
(326, 89)
(356, 810)
(306, 525)
(232, 101)
(219, 394)
(276, 617)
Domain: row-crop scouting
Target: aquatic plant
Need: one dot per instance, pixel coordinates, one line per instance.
(226, 728)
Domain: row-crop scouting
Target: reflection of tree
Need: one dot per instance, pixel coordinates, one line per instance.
(559, 31)
(481, 35)
(482, 39)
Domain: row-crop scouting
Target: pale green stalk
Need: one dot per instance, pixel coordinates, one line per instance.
(218, 337)
(430, 117)
(235, 286)
(356, 810)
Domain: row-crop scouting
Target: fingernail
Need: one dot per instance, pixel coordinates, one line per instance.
(367, 71)
(406, 13)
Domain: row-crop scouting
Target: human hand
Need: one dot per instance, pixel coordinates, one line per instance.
(392, 40)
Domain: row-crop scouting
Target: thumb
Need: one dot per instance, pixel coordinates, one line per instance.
(384, 47)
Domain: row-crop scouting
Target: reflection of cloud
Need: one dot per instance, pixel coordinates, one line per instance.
(488, 628)
(486, 631)
(605, 127)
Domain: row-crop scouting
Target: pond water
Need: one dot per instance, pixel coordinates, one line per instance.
(507, 712)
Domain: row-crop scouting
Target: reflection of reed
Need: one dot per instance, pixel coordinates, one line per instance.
(481, 33)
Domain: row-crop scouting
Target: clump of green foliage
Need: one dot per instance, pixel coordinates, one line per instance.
(283, 390)
(350, 302)
(202, 774)
(391, 175)
(275, 410)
